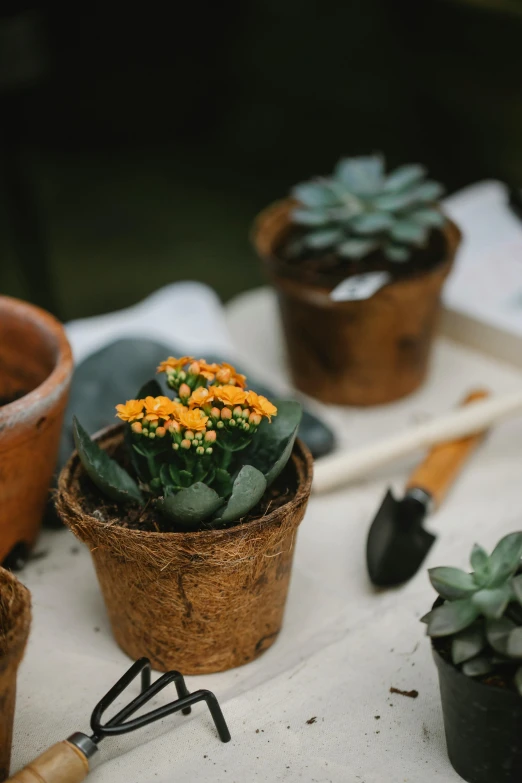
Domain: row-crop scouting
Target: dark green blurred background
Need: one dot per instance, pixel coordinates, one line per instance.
(138, 146)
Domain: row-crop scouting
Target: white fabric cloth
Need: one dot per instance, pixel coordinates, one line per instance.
(343, 645)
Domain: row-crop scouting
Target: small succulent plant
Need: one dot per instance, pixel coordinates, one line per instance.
(360, 209)
(204, 457)
(482, 610)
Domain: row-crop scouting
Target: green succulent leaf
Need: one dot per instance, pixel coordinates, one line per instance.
(514, 643)
(409, 231)
(274, 441)
(492, 602)
(309, 217)
(110, 478)
(190, 506)
(480, 564)
(319, 240)
(247, 490)
(428, 216)
(468, 643)
(518, 680)
(371, 222)
(477, 667)
(505, 558)
(428, 191)
(451, 583)
(357, 248)
(497, 633)
(451, 617)
(363, 175)
(223, 482)
(516, 584)
(404, 177)
(314, 194)
(398, 253)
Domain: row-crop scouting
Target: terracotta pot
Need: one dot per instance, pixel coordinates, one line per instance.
(197, 602)
(35, 362)
(353, 353)
(15, 619)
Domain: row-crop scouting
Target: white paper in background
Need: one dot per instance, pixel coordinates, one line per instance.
(486, 282)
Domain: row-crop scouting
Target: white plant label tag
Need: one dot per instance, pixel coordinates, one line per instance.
(359, 287)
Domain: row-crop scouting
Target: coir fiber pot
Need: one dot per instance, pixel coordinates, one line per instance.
(483, 726)
(35, 373)
(353, 353)
(15, 619)
(198, 602)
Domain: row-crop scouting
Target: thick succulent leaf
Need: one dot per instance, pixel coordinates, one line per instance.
(497, 633)
(518, 680)
(468, 643)
(397, 253)
(404, 177)
(371, 222)
(428, 216)
(191, 505)
(492, 602)
(347, 210)
(428, 191)
(477, 667)
(248, 489)
(516, 584)
(110, 478)
(394, 202)
(310, 217)
(272, 446)
(451, 583)
(514, 643)
(363, 175)
(505, 558)
(409, 231)
(451, 617)
(149, 389)
(314, 194)
(324, 238)
(223, 482)
(480, 564)
(357, 248)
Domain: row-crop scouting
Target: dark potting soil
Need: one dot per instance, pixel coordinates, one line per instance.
(329, 269)
(147, 518)
(12, 397)
(502, 678)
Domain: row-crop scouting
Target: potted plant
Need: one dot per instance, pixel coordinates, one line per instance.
(36, 367)
(476, 632)
(358, 260)
(15, 619)
(191, 509)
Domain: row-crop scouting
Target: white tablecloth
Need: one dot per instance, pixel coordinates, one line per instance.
(343, 645)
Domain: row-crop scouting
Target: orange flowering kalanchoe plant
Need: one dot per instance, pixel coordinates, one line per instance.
(204, 455)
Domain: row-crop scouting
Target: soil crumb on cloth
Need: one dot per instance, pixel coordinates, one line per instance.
(410, 694)
(312, 720)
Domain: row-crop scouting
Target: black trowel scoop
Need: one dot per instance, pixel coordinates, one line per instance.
(397, 542)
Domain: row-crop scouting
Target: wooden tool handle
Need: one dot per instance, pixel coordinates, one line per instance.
(438, 471)
(62, 763)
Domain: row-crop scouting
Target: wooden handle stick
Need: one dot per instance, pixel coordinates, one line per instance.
(62, 763)
(442, 465)
(343, 467)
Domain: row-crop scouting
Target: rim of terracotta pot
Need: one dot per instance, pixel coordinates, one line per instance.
(274, 221)
(55, 383)
(111, 436)
(19, 618)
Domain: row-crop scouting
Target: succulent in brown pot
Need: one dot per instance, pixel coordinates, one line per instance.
(191, 510)
(35, 372)
(358, 260)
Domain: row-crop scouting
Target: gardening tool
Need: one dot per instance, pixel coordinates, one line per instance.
(397, 543)
(69, 761)
(339, 469)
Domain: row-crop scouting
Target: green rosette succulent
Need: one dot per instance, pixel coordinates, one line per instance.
(481, 612)
(360, 208)
(204, 456)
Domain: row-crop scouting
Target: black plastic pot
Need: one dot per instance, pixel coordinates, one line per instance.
(483, 726)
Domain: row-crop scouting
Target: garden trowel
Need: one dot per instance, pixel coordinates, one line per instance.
(397, 541)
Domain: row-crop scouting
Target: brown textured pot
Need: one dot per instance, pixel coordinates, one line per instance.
(15, 619)
(354, 353)
(36, 360)
(197, 602)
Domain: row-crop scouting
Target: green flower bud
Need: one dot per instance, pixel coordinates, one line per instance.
(200, 450)
(175, 446)
(209, 450)
(219, 425)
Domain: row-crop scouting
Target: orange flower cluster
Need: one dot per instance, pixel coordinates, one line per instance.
(222, 374)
